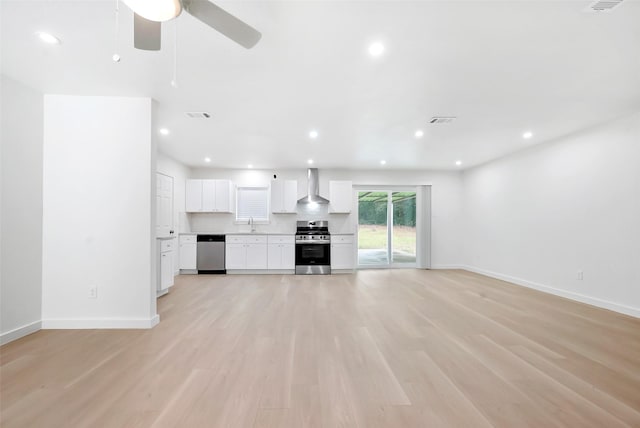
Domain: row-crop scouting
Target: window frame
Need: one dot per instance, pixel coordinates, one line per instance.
(267, 194)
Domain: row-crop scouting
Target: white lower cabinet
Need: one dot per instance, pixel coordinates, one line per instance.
(282, 252)
(165, 265)
(166, 270)
(235, 256)
(342, 252)
(246, 252)
(188, 252)
(257, 256)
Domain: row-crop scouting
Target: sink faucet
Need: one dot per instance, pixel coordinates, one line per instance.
(253, 228)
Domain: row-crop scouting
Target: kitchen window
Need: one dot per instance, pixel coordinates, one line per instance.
(252, 202)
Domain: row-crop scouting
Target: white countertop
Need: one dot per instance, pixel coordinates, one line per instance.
(239, 233)
(252, 233)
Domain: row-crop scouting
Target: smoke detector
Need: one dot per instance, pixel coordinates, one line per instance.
(603, 5)
(441, 119)
(198, 114)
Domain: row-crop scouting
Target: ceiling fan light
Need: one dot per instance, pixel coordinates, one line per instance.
(155, 10)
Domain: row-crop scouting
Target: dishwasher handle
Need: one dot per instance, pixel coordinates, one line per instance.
(211, 238)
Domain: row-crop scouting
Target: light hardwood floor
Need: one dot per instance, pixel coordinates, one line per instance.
(380, 348)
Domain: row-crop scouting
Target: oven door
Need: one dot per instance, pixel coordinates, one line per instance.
(313, 258)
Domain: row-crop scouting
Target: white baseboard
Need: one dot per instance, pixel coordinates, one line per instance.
(154, 321)
(342, 271)
(19, 332)
(101, 323)
(605, 304)
(260, 272)
(446, 267)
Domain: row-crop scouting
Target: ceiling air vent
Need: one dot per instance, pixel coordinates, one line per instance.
(198, 114)
(602, 5)
(441, 119)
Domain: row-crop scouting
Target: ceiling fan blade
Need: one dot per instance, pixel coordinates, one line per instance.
(223, 21)
(146, 33)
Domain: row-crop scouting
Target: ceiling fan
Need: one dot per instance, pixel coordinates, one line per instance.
(149, 14)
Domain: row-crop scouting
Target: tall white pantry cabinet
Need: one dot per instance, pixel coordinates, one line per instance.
(164, 205)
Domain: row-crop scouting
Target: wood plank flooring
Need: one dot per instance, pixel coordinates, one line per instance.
(380, 348)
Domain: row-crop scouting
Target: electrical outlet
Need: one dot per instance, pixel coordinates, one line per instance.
(579, 275)
(93, 292)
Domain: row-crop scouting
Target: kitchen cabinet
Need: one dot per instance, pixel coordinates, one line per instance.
(342, 252)
(281, 252)
(246, 252)
(210, 196)
(235, 256)
(165, 265)
(164, 205)
(340, 197)
(193, 196)
(284, 196)
(188, 252)
(224, 196)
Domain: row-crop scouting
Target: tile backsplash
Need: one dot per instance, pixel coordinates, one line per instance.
(279, 223)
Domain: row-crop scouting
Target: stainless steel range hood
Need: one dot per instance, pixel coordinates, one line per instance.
(313, 186)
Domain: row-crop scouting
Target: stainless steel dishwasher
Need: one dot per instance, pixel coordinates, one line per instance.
(211, 254)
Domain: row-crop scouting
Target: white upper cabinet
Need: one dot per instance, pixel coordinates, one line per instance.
(340, 196)
(284, 196)
(193, 196)
(224, 193)
(209, 196)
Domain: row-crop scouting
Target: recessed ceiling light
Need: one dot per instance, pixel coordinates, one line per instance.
(313, 134)
(376, 49)
(419, 133)
(249, 166)
(527, 135)
(164, 131)
(157, 10)
(458, 163)
(383, 162)
(48, 38)
(115, 58)
(310, 161)
(207, 160)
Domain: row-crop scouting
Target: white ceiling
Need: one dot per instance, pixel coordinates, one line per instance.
(501, 67)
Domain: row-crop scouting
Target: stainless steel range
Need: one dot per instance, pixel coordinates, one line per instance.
(313, 248)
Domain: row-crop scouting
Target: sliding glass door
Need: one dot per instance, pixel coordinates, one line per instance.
(386, 228)
(373, 233)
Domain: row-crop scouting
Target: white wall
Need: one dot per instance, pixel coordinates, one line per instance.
(446, 204)
(171, 167)
(99, 175)
(21, 213)
(539, 216)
